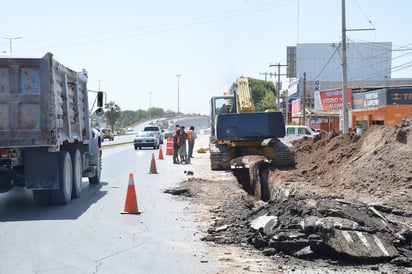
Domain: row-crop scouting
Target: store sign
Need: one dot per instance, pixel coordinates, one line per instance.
(382, 97)
(333, 100)
(399, 96)
(371, 99)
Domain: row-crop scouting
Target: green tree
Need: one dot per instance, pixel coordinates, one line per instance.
(112, 113)
(156, 112)
(142, 114)
(268, 101)
(263, 94)
(128, 117)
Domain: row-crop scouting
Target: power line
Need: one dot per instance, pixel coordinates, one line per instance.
(167, 26)
(327, 63)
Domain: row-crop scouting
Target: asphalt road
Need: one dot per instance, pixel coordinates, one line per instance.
(89, 235)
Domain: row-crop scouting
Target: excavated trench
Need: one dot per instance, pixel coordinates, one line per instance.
(254, 176)
(311, 226)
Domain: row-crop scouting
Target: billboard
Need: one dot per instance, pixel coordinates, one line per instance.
(332, 99)
(291, 62)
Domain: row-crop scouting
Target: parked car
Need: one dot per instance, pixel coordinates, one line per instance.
(158, 130)
(146, 139)
(107, 134)
(294, 132)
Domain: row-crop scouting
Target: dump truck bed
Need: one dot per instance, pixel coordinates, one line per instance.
(42, 103)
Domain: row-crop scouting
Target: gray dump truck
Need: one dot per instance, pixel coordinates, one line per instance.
(47, 143)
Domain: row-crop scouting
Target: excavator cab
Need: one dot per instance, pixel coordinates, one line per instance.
(220, 105)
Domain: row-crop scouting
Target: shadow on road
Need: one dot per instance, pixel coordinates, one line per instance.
(18, 205)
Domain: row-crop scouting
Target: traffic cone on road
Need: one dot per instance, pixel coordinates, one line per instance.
(130, 206)
(160, 156)
(153, 169)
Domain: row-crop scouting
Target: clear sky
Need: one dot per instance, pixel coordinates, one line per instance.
(132, 48)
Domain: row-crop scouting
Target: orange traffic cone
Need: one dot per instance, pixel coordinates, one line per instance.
(130, 206)
(153, 169)
(160, 157)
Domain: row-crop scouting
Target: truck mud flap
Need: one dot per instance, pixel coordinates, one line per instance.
(41, 169)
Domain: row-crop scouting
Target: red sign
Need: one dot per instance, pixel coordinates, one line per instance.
(332, 99)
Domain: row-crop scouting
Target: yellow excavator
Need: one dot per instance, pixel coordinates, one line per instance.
(238, 130)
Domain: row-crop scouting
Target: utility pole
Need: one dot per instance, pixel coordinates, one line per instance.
(345, 118)
(266, 74)
(303, 100)
(11, 39)
(345, 122)
(278, 83)
(178, 91)
(98, 80)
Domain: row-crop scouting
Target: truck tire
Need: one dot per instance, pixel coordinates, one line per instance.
(63, 195)
(77, 173)
(42, 197)
(96, 178)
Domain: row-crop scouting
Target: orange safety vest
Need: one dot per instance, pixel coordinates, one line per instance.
(189, 135)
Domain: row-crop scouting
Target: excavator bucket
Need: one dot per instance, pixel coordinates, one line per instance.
(250, 126)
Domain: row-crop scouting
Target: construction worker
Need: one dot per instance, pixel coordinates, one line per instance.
(191, 136)
(176, 146)
(182, 146)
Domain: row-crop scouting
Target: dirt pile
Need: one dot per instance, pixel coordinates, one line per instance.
(376, 166)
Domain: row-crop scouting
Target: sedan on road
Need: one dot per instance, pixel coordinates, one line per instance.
(146, 139)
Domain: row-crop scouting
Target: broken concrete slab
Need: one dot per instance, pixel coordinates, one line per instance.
(262, 222)
(360, 244)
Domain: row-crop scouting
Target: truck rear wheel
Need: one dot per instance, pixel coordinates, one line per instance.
(96, 178)
(77, 173)
(63, 195)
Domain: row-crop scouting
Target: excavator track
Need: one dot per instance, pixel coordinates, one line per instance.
(219, 157)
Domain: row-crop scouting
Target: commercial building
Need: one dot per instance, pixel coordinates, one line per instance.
(317, 87)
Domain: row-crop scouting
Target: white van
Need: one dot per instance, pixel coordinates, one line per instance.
(294, 132)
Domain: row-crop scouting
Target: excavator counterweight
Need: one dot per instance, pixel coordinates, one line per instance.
(237, 130)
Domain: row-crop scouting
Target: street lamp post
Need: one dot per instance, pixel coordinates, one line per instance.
(10, 39)
(178, 91)
(150, 105)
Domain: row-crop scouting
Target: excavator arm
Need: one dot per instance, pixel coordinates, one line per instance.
(244, 102)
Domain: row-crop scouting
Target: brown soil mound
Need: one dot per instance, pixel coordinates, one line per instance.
(376, 165)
